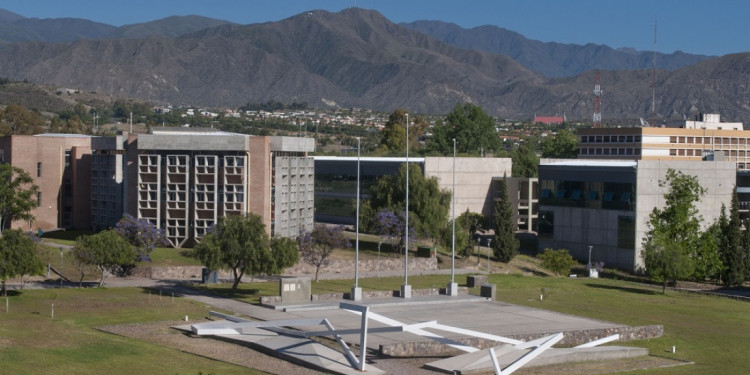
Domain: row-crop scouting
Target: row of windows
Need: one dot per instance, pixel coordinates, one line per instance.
(708, 140)
(610, 138)
(619, 151)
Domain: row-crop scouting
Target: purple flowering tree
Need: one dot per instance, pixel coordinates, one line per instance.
(317, 246)
(142, 234)
(390, 226)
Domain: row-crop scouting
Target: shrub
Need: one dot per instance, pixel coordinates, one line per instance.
(558, 261)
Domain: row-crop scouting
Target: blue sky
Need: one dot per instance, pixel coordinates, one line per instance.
(694, 26)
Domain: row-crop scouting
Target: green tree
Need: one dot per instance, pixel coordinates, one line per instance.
(674, 231)
(428, 204)
(732, 253)
(706, 257)
(564, 144)
(393, 138)
(558, 261)
(284, 252)
(467, 224)
(239, 244)
(317, 246)
(666, 261)
(17, 257)
(107, 251)
(505, 245)
(525, 161)
(17, 120)
(746, 247)
(473, 129)
(17, 195)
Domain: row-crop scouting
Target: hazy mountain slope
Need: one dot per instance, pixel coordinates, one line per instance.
(54, 30)
(551, 59)
(169, 27)
(358, 58)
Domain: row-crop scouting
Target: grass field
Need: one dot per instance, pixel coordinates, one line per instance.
(32, 342)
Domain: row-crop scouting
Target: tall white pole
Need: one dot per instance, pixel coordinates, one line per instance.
(356, 252)
(453, 215)
(406, 229)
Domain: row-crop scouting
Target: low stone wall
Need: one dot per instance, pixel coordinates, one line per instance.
(169, 273)
(571, 338)
(275, 300)
(369, 265)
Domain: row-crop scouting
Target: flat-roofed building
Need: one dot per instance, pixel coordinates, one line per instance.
(606, 204)
(183, 181)
(60, 166)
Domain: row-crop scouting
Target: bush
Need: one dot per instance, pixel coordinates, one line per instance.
(558, 261)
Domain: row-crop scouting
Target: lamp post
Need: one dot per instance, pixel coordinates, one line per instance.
(453, 286)
(356, 290)
(406, 288)
(489, 240)
(378, 265)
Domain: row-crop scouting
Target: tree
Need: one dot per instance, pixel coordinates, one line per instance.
(473, 129)
(284, 252)
(666, 261)
(142, 234)
(674, 231)
(746, 246)
(706, 258)
(564, 144)
(107, 251)
(317, 246)
(390, 226)
(17, 195)
(428, 204)
(467, 224)
(558, 261)
(237, 243)
(525, 161)
(394, 133)
(505, 246)
(18, 257)
(732, 253)
(16, 119)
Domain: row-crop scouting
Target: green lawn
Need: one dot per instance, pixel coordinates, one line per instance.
(31, 342)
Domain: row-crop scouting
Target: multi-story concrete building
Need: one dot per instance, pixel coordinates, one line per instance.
(696, 140)
(183, 181)
(60, 165)
(606, 204)
(336, 181)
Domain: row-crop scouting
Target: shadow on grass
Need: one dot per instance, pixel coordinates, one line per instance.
(534, 272)
(624, 289)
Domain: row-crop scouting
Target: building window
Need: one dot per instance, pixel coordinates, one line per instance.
(38, 198)
(2, 156)
(39, 169)
(67, 158)
(626, 232)
(68, 188)
(546, 224)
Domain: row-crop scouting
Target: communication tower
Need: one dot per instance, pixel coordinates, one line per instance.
(597, 101)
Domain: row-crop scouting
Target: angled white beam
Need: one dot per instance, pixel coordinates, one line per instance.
(526, 358)
(347, 352)
(495, 365)
(604, 340)
(480, 335)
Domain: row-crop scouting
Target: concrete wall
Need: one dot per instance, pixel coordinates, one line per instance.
(473, 179)
(717, 177)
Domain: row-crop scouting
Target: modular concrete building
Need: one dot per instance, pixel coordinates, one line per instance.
(183, 181)
(606, 204)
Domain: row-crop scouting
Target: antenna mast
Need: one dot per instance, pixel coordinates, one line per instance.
(597, 101)
(653, 82)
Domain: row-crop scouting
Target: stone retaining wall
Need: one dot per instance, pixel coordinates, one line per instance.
(336, 266)
(369, 265)
(571, 338)
(275, 300)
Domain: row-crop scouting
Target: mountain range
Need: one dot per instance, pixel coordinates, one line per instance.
(358, 58)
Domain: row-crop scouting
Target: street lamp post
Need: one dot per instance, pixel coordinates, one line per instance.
(356, 290)
(453, 286)
(406, 288)
(489, 240)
